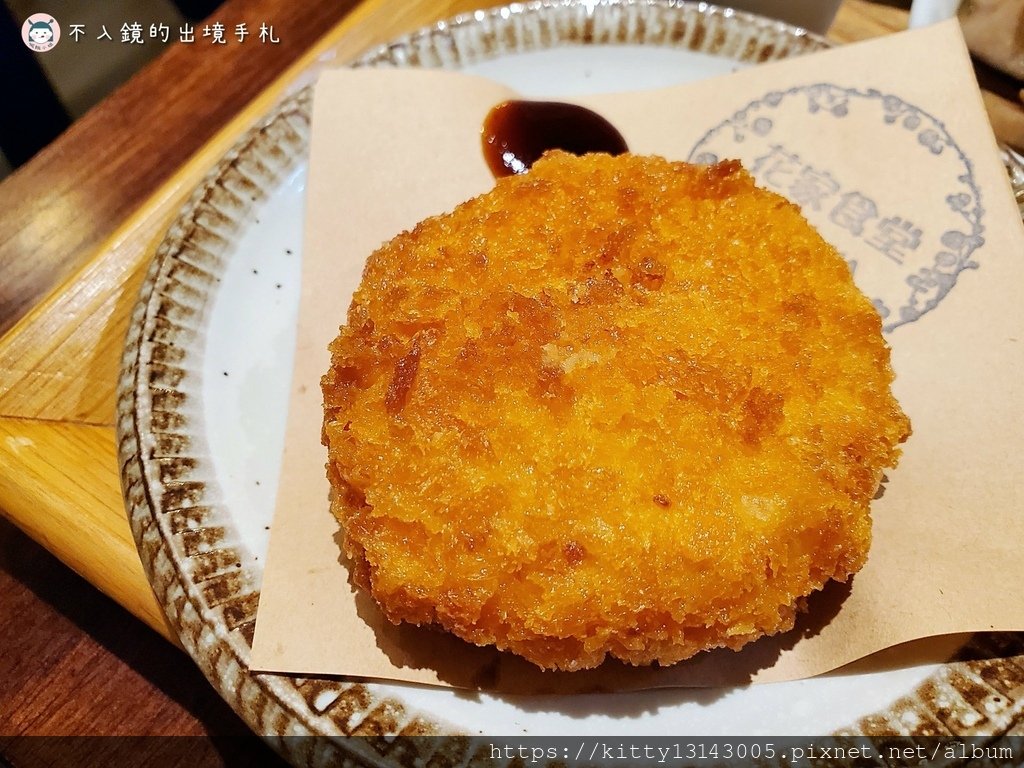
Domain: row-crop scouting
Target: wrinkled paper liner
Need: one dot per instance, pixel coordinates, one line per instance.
(897, 124)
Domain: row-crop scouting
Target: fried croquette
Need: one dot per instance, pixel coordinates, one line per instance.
(614, 407)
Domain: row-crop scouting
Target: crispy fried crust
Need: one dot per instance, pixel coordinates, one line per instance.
(616, 406)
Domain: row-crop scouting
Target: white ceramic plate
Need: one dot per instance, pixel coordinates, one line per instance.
(205, 381)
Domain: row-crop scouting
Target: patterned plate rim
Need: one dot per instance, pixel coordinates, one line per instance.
(206, 581)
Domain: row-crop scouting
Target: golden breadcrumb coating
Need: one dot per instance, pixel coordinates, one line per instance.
(615, 406)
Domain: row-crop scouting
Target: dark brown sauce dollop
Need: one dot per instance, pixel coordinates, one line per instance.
(517, 133)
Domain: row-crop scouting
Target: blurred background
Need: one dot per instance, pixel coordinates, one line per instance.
(58, 86)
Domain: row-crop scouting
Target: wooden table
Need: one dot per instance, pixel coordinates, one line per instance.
(79, 225)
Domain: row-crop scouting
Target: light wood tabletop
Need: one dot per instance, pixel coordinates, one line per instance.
(81, 223)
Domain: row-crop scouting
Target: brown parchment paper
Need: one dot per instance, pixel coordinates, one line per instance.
(886, 146)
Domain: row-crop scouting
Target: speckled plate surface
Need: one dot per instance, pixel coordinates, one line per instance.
(204, 385)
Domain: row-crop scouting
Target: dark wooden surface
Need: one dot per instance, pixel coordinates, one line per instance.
(71, 660)
(74, 662)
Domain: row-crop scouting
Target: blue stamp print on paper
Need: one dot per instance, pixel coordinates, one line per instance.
(906, 236)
